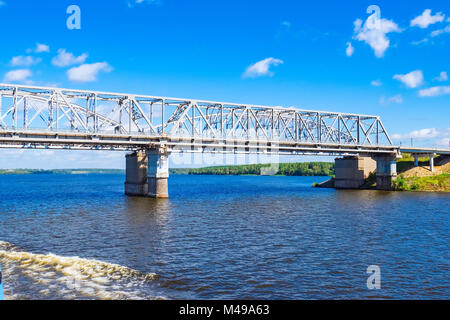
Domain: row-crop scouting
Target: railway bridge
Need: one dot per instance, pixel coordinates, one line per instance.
(153, 127)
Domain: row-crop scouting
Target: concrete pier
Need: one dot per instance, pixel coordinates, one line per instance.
(386, 171)
(147, 173)
(158, 173)
(432, 162)
(416, 160)
(429, 155)
(136, 174)
(350, 172)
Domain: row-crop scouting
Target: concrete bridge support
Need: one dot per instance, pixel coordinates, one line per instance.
(158, 173)
(430, 155)
(432, 162)
(350, 172)
(386, 171)
(136, 174)
(147, 174)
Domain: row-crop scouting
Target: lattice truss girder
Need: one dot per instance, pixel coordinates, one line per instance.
(27, 108)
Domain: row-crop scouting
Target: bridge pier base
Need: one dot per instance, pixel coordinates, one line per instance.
(386, 171)
(158, 173)
(350, 172)
(136, 174)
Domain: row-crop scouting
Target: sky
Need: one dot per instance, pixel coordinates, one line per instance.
(392, 60)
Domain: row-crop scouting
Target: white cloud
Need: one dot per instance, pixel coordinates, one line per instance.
(41, 48)
(376, 83)
(19, 75)
(65, 59)
(357, 25)
(349, 50)
(24, 61)
(398, 99)
(434, 91)
(425, 19)
(442, 76)
(132, 3)
(420, 41)
(412, 79)
(374, 34)
(440, 31)
(88, 72)
(2, 3)
(261, 68)
(420, 134)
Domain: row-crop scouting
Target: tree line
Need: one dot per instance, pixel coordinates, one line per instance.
(287, 169)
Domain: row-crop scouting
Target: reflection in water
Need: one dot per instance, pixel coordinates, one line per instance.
(149, 211)
(221, 237)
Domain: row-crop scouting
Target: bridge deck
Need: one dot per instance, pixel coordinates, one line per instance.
(424, 151)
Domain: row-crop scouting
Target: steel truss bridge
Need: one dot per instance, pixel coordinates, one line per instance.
(40, 117)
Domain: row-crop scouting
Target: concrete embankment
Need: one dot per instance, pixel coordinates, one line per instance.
(325, 184)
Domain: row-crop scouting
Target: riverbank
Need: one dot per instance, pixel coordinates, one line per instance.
(420, 178)
(411, 177)
(437, 183)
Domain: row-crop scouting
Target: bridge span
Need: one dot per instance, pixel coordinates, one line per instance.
(153, 127)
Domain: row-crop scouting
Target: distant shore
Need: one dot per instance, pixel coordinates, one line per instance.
(282, 169)
(60, 171)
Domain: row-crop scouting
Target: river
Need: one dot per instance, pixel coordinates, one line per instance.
(218, 237)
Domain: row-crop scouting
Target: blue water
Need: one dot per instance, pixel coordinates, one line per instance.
(218, 237)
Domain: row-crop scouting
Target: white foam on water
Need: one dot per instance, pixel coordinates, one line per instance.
(75, 276)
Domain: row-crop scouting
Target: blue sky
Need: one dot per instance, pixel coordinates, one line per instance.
(322, 55)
